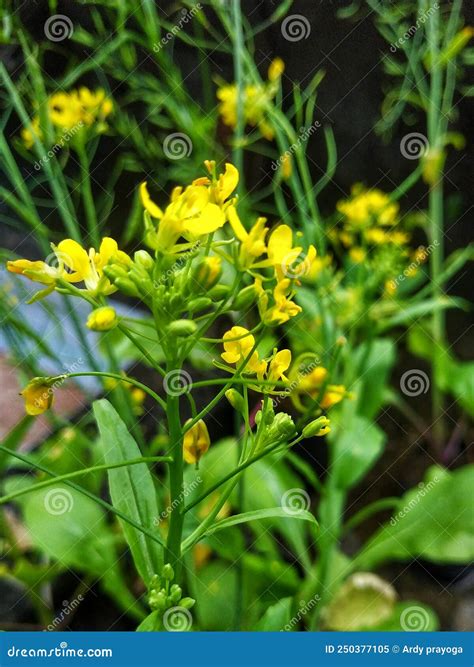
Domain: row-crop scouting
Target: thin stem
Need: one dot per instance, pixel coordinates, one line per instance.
(87, 196)
(79, 473)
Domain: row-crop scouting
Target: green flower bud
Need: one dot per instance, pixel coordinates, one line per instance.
(235, 399)
(282, 428)
(187, 603)
(245, 298)
(126, 286)
(155, 582)
(157, 600)
(207, 273)
(175, 593)
(182, 328)
(316, 428)
(167, 572)
(198, 304)
(114, 271)
(144, 259)
(219, 292)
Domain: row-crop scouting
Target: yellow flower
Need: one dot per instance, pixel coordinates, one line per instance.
(196, 211)
(357, 255)
(102, 319)
(276, 69)
(283, 308)
(238, 343)
(312, 383)
(28, 136)
(256, 100)
(38, 396)
(196, 442)
(368, 207)
(252, 244)
(282, 254)
(286, 166)
(279, 363)
(74, 265)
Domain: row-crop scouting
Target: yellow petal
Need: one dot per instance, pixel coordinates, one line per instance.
(71, 254)
(153, 209)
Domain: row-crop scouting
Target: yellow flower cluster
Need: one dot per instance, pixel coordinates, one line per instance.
(255, 103)
(239, 346)
(71, 111)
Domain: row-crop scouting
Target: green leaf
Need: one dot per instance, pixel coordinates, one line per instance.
(362, 602)
(258, 515)
(434, 521)
(277, 617)
(150, 623)
(417, 310)
(358, 443)
(131, 489)
(374, 361)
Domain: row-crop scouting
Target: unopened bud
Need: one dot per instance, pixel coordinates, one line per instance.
(316, 428)
(198, 304)
(235, 399)
(245, 298)
(219, 292)
(187, 603)
(182, 328)
(207, 272)
(126, 286)
(102, 319)
(144, 259)
(167, 572)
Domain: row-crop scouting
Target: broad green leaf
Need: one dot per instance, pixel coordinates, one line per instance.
(417, 310)
(131, 489)
(434, 521)
(277, 617)
(357, 444)
(363, 601)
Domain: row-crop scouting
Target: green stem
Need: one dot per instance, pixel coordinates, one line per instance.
(87, 196)
(237, 153)
(173, 544)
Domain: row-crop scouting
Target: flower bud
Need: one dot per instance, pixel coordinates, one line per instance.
(175, 593)
(245, 298)
(167, 572)
(282, 427)
(182, 328)
(187, 603)
(235, 399)
(144, 259)
(207, 272)
(157, 600)
(316, 428)
(196, 442)
(219, 292)
(126, 286)
(102, 319)
(200, 303)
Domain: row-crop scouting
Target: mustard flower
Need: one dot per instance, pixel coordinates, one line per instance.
(282, 309)
(238, 343)
(102, 319)
(38, 396)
